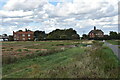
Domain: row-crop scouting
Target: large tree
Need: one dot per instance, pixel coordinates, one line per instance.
(66, 34)
(113, 35)
(39, 35)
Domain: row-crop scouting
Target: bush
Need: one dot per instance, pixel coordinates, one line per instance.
(96, 43)
(27, 50)
(9, 59)
(19, 50)
(3, 47)
(30, 55)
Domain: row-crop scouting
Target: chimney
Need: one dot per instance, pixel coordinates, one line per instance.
(26, 29)
(94, 28)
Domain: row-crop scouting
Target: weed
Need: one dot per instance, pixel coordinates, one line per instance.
(3, 47)
(19, 50)
(26, 50)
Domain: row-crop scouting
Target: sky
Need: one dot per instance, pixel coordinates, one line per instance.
(48, 15)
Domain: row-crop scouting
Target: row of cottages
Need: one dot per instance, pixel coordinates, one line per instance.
(96, 33)
(26, 35)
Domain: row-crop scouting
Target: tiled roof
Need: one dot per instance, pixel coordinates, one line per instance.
(24, 32)
(96, 31)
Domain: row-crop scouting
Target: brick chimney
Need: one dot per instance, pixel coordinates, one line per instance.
(94, 28)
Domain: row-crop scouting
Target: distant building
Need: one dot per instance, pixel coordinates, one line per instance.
(96, 33)
(10, 38)
(4, 37)
(26, 35)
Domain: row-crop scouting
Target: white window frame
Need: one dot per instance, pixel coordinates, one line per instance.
(29, 35)
(23, 35)
(29, 38)
(23, 38)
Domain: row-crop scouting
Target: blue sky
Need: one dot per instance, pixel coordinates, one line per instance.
(48, 15)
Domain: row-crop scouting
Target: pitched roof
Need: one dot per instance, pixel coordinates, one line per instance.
(96, 31)
(24, 32)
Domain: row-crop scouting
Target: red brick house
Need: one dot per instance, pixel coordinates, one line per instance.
(96, 33)
(23, 35)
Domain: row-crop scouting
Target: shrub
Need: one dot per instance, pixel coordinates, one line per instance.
(27, 50)
(19, 50)
(3, 47)
(30, 55)
(37, 51)
(59, 44)
(96, 43)
(11, 48)
(9, 59)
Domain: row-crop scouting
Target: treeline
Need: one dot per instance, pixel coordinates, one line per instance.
(58, 34)
(112, 35)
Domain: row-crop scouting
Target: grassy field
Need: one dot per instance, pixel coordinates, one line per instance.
(63, 59)
(13, 51)
(114, 42)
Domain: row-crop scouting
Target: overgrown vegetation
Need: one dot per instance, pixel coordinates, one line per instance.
(23, 50)
(114, 42)
(97, 61)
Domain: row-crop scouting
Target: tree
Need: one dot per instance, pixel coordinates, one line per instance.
(113, 35)
(118, 36)
(20, 31)
(4, 35)
(75, 36)
(85, 36)
(65, 34)
(39, 35)
(10, 38)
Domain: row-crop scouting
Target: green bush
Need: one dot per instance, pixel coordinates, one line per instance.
(3, 47)
(19, 50)
(97, 43)
(27, 50)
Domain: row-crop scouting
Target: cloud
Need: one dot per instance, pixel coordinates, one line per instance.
(24, 4)
(18, 13)
(78, 14)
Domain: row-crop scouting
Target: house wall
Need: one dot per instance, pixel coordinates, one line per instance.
(23, 36)
(93, 35)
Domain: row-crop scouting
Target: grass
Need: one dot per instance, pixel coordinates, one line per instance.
(45, 63)
(97, 61)
(110, 62)
(114, 42)
(28, 49)
(19, 50)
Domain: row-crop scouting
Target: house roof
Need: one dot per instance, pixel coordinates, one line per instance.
(24, 32)
(96, 31)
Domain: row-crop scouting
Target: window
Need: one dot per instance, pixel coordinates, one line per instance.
(28, 34)
(14, 38)
(15, 35)
(23, 35)
(29, 38)
(23, 38)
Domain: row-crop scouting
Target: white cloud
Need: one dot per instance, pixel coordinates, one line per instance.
(70, 19)
(23, 4)
(18, 13)
(108, 26)
(77, 14)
